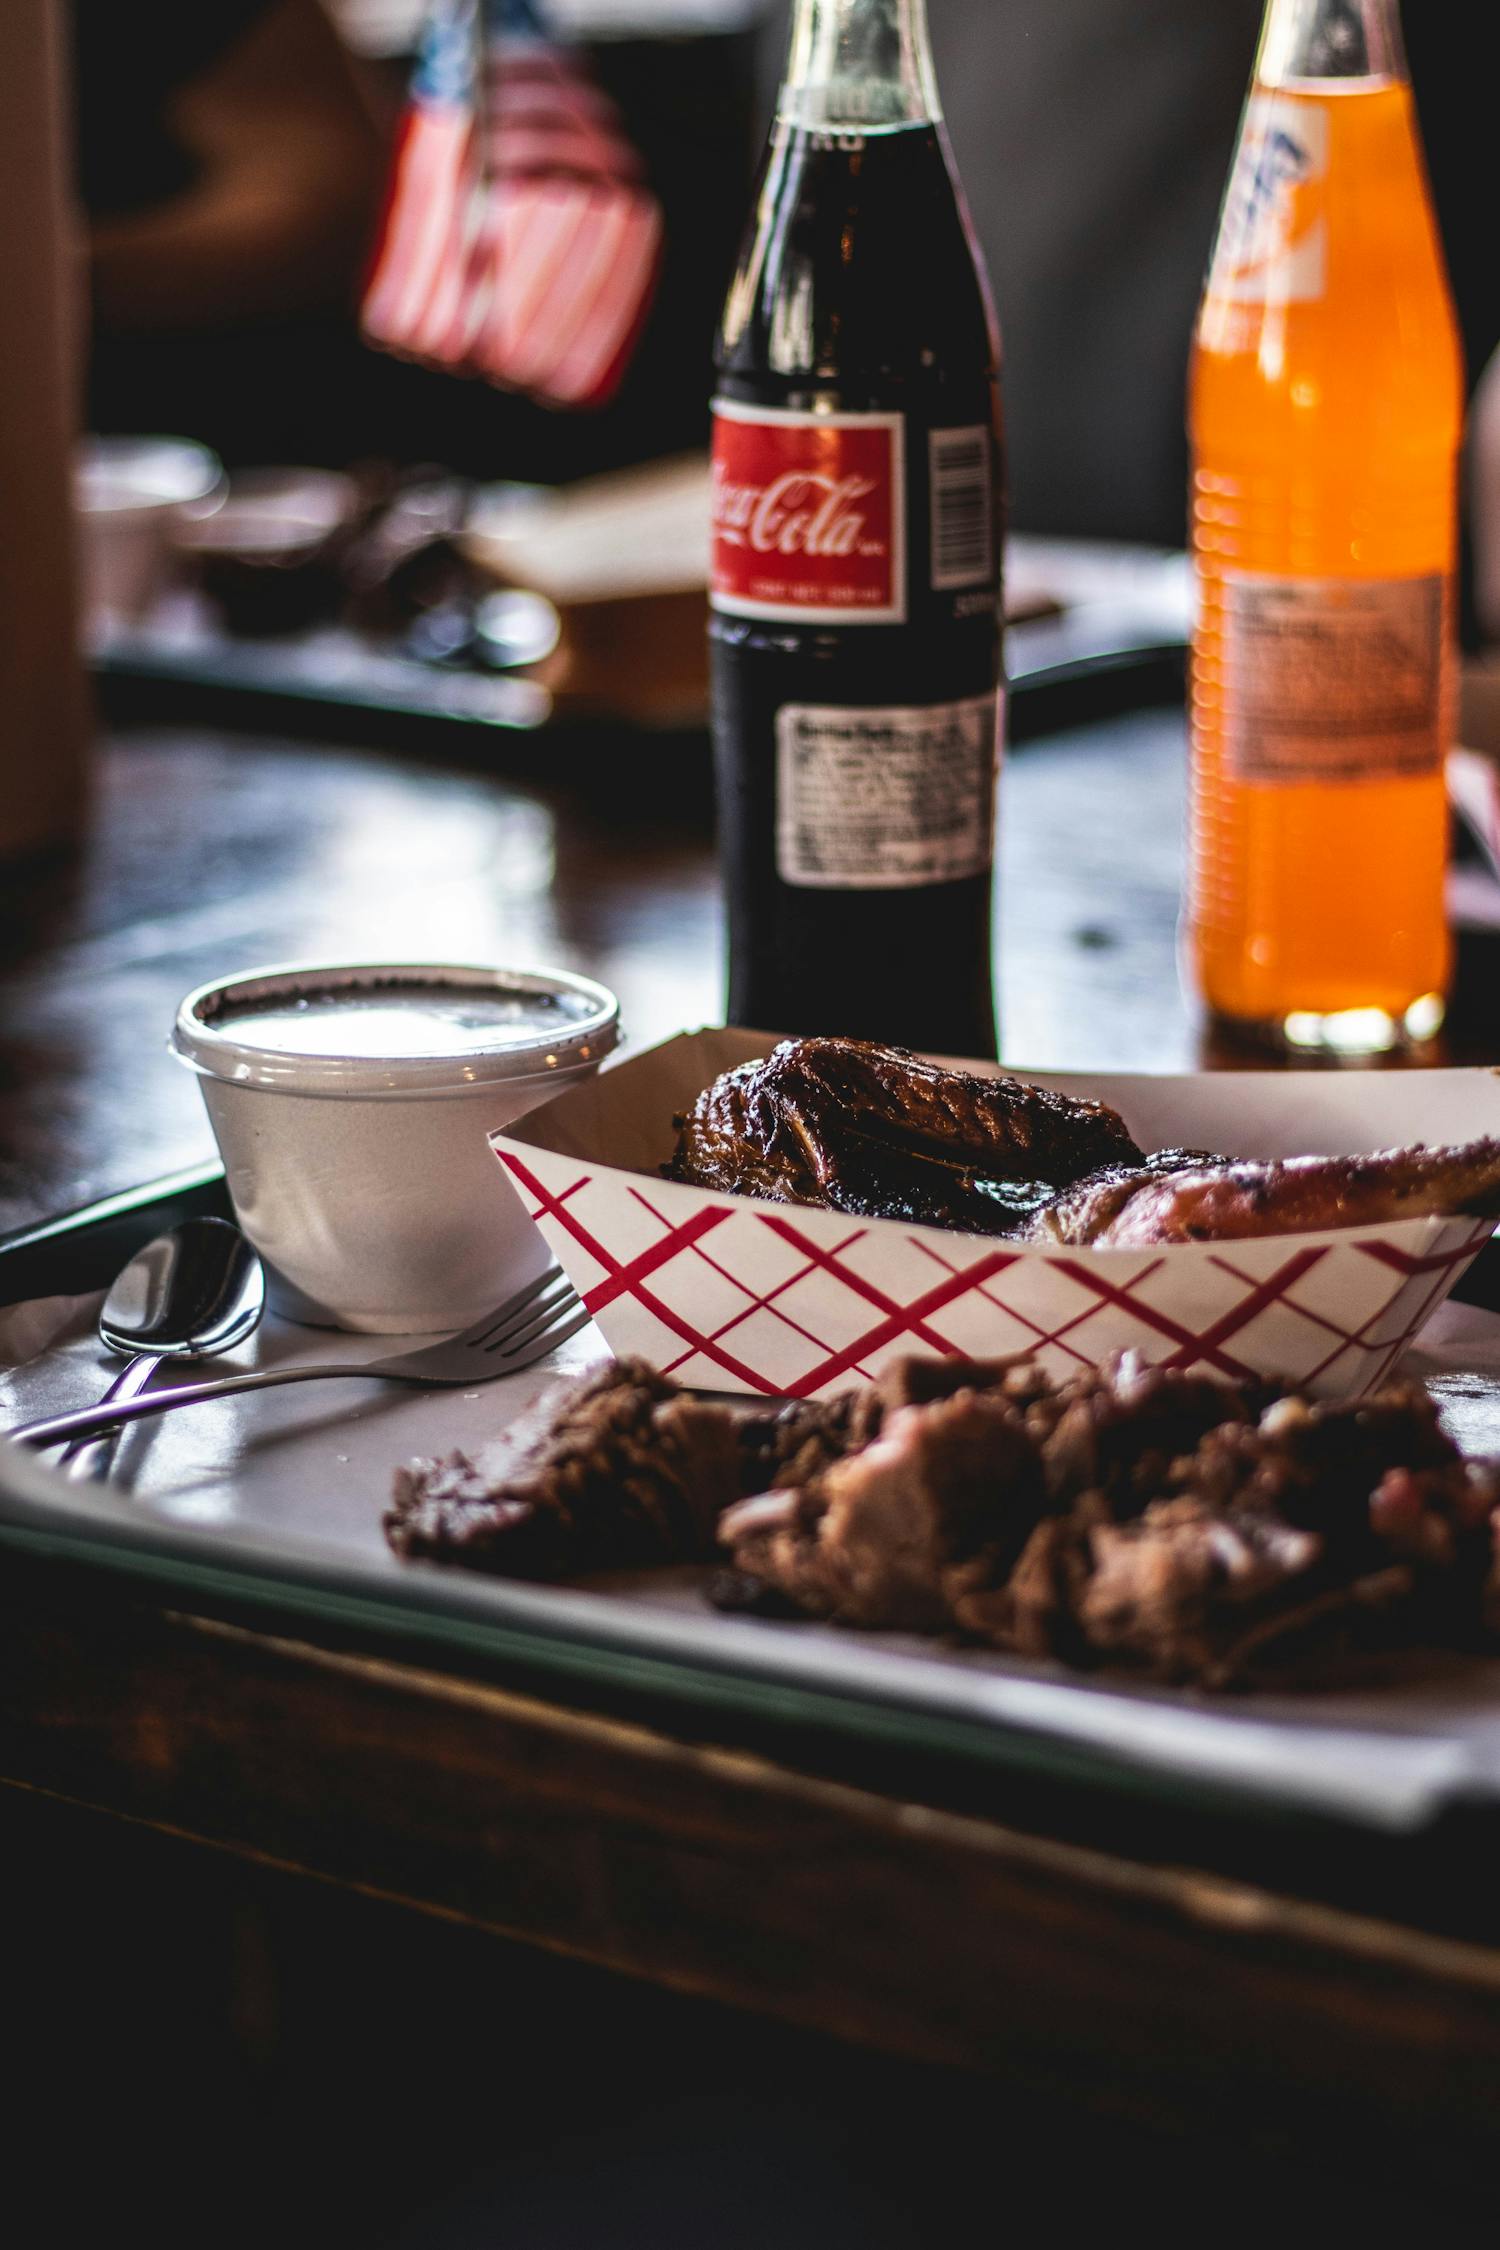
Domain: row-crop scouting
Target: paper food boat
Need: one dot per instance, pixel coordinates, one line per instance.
(729, 1293)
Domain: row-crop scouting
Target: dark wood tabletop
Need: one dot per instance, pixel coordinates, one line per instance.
(1157, 1981)
(214, 852)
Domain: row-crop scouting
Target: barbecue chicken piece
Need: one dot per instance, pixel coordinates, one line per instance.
(1093, 1202)
(1225, 1202)
(876, 1132)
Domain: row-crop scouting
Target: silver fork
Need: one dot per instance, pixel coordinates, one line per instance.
(525, 1328)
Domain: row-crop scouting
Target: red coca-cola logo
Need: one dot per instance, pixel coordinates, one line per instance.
(807, 515)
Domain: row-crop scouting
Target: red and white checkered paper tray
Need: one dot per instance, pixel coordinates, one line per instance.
(729, 1293)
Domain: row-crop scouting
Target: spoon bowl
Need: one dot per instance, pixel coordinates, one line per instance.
(191, 1293)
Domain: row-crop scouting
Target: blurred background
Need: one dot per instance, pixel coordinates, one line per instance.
(232, 156)
(253, 174)
(261, 191)
(232, 219)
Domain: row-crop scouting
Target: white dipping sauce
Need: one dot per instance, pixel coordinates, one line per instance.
(403, 1020)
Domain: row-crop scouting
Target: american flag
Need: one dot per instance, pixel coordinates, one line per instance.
(520, 240)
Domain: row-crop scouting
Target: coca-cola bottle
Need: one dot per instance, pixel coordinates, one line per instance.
(856, 569)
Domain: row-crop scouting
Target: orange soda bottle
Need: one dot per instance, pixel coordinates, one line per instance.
(1326, 411)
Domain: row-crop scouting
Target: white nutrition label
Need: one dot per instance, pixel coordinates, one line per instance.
(887, 799)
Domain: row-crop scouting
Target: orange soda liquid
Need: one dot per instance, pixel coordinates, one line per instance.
(1325, 417)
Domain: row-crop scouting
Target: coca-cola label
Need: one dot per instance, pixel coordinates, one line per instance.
(809, 515)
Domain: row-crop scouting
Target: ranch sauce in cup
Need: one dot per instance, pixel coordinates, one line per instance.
(351, 1105)
(404, 1022)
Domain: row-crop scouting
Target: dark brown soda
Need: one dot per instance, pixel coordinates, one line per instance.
(858, 291)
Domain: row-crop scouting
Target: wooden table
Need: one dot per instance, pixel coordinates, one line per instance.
(213, 851)
(1128, 1982)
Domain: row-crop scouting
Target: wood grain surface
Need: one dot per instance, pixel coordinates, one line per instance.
(214, 853)
(885, 1922)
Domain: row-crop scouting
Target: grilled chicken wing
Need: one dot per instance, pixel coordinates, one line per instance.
(1224, 1202)
(875, 1131)
(1090, 1204)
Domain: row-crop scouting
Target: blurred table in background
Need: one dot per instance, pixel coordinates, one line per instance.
(212, 852)
(429, 613)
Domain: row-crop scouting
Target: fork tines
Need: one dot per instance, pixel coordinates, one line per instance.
(549, 1307)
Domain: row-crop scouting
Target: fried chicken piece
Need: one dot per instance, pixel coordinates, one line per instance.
(877, 1132)
(1297, 1195)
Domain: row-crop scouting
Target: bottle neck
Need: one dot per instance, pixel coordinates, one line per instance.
(1330, 40)
(864, 65)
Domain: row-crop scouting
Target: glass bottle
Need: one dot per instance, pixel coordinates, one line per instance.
(856, 569)
(1325, 419)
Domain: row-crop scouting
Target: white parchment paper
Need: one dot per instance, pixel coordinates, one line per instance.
(311, 1457)
(306, 1472)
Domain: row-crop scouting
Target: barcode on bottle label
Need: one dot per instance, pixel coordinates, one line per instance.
(963, 529)
(886, 799)
(1332, 679)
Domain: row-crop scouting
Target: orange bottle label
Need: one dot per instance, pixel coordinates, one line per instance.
(1332, 679)
(1273, 237)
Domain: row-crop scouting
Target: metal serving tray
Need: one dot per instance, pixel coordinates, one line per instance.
(277, 1520)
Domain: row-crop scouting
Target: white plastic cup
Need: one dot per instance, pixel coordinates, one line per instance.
(366, 1182)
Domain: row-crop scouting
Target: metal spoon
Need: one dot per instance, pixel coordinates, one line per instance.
(192, 1293)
